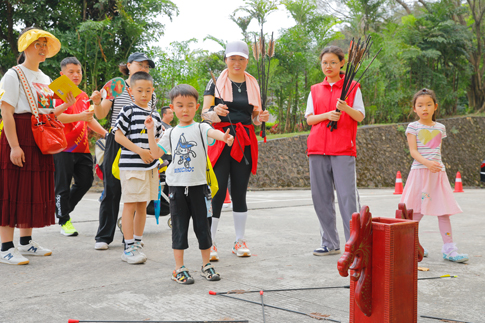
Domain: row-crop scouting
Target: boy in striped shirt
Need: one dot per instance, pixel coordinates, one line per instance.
(138, 169)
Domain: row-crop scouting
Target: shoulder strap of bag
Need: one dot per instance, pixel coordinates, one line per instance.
(28, 91)
(170, 140)
(203, 143)
(209, 182)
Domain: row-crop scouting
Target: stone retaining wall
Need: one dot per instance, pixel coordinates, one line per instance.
(382, 150)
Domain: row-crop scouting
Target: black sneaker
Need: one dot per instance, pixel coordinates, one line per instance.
(209, 273)
(182, 276)
(325, 251)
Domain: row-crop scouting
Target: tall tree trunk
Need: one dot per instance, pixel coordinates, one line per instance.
(9, 36)
(476, 93)
(280, 105)
(288, 117)
(295, 106)
(405, 6)
(85, 5)
(476, 90)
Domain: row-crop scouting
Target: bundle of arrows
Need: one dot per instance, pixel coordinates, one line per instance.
(357, 51)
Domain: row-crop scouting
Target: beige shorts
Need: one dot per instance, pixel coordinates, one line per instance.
(139, 185)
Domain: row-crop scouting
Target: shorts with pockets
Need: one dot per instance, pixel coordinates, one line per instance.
(185, 203)
(139, 185)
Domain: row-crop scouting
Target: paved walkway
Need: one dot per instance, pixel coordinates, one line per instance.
(79, 282)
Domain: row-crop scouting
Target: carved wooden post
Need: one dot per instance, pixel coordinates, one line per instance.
(382, 255)
(403, 213)
(358, 258)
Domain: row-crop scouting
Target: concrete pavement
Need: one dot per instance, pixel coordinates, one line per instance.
(79, 282)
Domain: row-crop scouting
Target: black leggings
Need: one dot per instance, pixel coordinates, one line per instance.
(110, 203)
(68, 166)
(239, 172)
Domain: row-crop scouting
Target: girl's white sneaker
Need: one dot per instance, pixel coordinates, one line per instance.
(34, 249)
(13, 257)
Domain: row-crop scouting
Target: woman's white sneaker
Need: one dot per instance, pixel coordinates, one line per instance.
(101, 246)
(34, 249)
(240, 249)
(214, 255)
(13, 257)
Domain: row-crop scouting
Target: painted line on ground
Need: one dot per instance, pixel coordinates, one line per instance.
(257, 200)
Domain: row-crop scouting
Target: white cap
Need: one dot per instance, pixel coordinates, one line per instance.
(237, 47)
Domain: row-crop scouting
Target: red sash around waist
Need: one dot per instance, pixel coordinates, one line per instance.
(236, 153)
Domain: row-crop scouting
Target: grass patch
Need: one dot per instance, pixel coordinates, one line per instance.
(282, 135)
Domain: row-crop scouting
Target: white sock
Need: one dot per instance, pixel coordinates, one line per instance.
(129, 242)
(137, 238)
(450, 248)
(215, 223)
(240, 224)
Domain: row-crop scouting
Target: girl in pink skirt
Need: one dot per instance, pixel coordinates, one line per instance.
(428, 189)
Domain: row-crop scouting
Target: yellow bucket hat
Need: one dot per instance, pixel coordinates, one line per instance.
(53, 44)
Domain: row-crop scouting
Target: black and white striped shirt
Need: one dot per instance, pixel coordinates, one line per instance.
(123, 100)
(131, 123)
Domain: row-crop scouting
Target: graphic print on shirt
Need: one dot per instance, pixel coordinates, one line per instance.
(45, 96)
(431, 139)
(183, 154)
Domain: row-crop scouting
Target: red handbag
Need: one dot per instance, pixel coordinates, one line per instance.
(47, 129)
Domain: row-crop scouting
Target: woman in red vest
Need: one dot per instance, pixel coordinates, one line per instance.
(332, 153)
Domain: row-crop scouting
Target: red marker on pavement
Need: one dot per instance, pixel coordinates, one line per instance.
(262, 305)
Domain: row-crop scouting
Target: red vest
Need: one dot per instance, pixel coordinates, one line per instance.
(340, 142)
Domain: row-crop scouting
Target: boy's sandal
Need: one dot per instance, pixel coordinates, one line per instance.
(209, 273)
(182, 276)
(460, 257)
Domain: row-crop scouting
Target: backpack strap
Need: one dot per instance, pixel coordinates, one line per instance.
(209, 182)
(202, 138)
(170, 141)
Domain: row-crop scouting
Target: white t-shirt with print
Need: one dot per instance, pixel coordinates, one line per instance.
(358, 103)
(428, 140)
(15, 94)
(188, 167)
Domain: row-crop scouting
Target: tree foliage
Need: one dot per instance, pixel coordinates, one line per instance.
(435, 44)
(101, 34)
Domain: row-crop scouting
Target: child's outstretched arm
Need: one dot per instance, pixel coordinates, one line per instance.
(145, 154)
(433, 166)
(156, 151)
(219, 135)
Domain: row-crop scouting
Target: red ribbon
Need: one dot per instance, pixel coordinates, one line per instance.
(236, 152)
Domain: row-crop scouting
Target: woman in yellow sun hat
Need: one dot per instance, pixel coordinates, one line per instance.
(26, 175)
